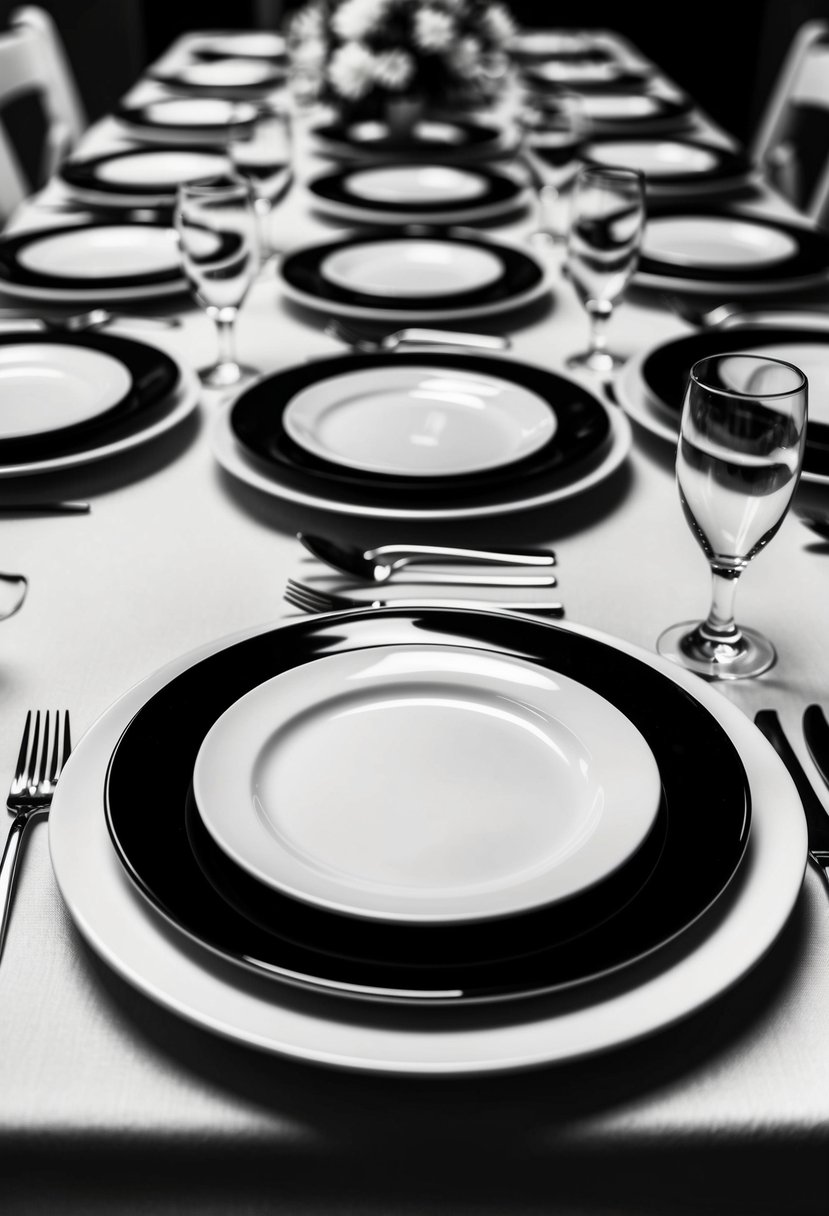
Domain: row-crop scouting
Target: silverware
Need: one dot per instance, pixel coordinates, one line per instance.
(56, 507)
(817, 819)
(379, 564)
(30, 794)
(13, 588)
(415, 337)
(84, 322)
(307, 599)
(724, 316)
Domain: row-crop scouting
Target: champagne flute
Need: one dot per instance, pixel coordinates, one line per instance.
(554, 130)
(216, 227)
(739, 457)
(607, 217)
(264, 155)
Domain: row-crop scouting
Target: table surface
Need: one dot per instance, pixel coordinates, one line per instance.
(108, 1102)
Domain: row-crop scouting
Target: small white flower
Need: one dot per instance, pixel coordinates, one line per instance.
(351, 70)
(466, 57)
(433, 30)
(394, 69)
(356, 19)
(498, 24)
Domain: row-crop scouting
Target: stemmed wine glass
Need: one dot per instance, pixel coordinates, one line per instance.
(216, 225)
(607, 217)
(554, 128)
(739, 456)
(264, 155)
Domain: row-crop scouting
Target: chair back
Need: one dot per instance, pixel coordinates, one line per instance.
(33, 61)
(791, 143)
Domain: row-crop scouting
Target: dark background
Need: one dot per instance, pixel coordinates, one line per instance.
(724, 52)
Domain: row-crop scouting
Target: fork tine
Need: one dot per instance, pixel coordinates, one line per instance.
(44, 751)
(67, 739)
(307, 598)
(33, 758)
(53, 768)
(24, 749)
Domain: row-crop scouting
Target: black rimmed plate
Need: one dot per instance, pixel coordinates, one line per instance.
(91, 259)
(510, 277)
(257, 418)
(674, 167)
(142, 176)
(153, 375)
(586, 76)
(665, 369)
(401, 192)
(238, 44)
(236, 77)
(789, 256)
(434, 139)
(688, 862)
(181, 120)
(615, 112)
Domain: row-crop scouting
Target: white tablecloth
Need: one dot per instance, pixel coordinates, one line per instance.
(110, 1103)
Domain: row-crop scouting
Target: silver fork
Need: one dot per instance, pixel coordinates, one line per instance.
(30, 794)
(308, 599)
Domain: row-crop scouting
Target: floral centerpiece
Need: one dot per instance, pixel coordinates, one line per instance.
(432, 53)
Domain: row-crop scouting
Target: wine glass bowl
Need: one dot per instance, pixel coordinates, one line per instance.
(739, 457)
(554, 129)
(216, 226)
(263, 154)
(607, 218)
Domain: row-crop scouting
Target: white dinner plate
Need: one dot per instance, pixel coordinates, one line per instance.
(234, 460)
(457, 785)
(225, 73)
(419, 421)
(110, 252)
(715, 241)
(655, 157)
(146, 177)
(253, 44)
(44, 388)
(575, 71)
(169, 968)
(412, 268)
(168, 168)
(181, 403)
(416, 183)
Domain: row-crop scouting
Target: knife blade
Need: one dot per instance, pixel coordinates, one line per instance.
(817, 818)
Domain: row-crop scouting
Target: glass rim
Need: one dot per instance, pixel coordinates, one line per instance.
(214, 186)
(694, 375)
(614, 172)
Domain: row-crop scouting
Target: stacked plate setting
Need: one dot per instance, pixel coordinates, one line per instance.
(545, 833)
(452, 436)
(69, 399)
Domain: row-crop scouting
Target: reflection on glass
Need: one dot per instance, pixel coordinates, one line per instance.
(739, 456)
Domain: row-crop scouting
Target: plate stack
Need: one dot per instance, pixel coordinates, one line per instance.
(420, 434)
(430, 841)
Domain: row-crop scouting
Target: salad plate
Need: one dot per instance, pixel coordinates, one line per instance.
(448, 730)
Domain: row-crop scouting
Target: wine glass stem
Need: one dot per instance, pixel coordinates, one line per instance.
(720, 625)
(599, 313)
(225, 320)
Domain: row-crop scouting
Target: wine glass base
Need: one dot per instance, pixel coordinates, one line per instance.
(685, 645)
(602, 361)
(226, 375)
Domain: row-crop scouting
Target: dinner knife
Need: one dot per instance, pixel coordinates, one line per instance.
(817, 818)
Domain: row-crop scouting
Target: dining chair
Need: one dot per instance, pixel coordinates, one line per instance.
(791, 139)
(33, 62)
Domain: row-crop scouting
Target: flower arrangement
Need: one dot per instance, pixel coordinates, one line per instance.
(367, 51)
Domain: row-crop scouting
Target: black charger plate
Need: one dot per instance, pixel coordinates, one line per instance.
(302, 271)
(15, 272)
(257, 421)
(442, 138)
(706, 825)
(85, 174)
(500, 193)
(729, 169)
(666, 369)
(154, 377)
